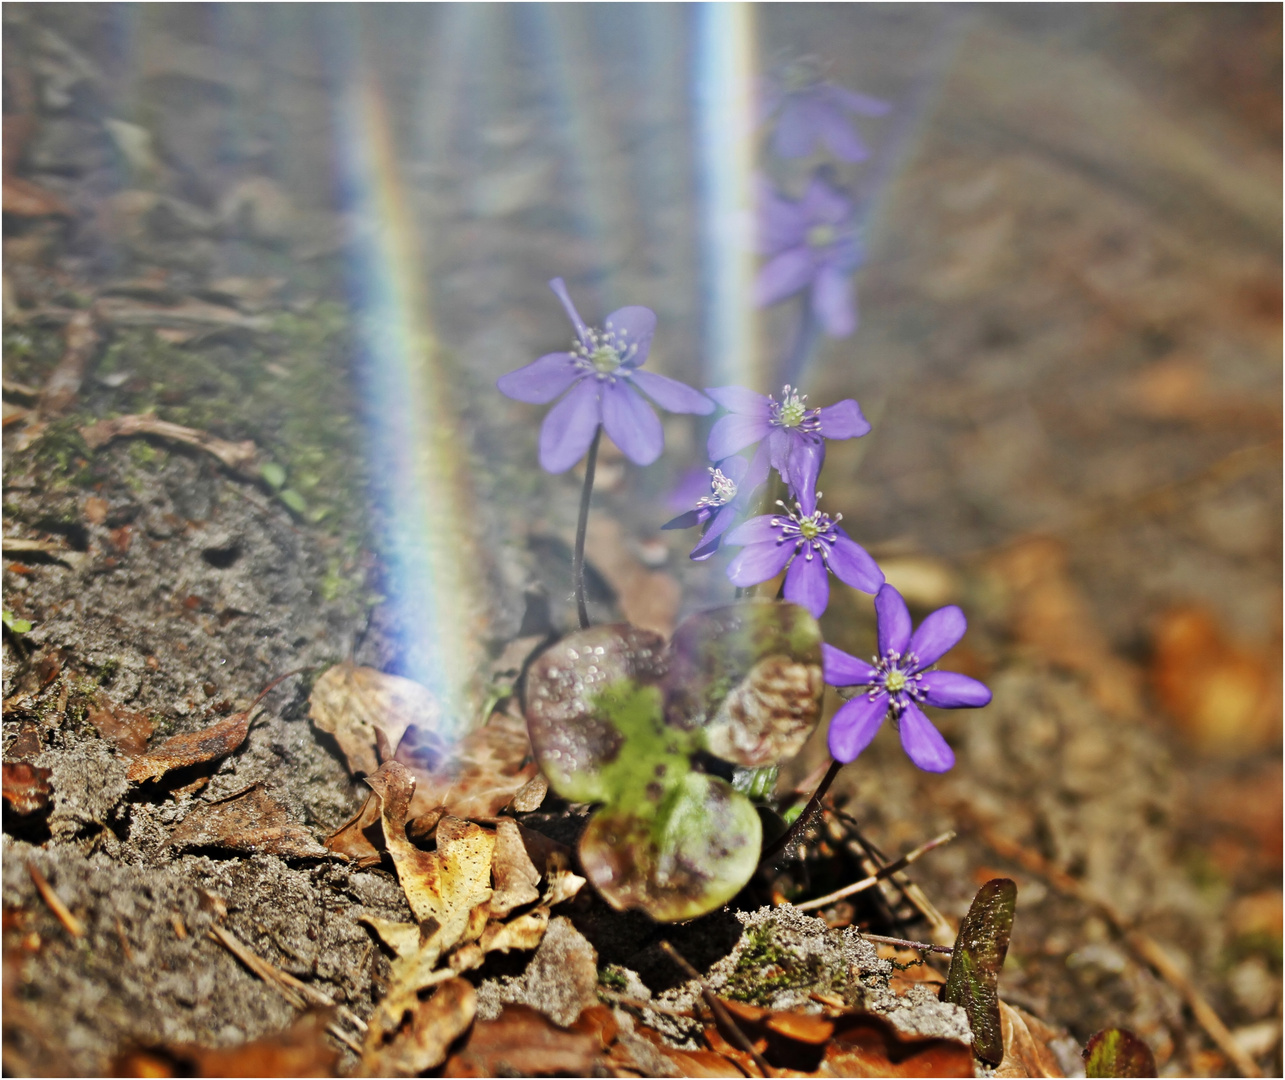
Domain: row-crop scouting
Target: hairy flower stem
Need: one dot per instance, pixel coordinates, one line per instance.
(577, 559)
(801, 822)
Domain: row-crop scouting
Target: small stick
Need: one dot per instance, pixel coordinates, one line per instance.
(716, 1007)
(582, 526)
(73, 925)
(902, 943)
(800, 823)
(874, 879)
(641, 1003)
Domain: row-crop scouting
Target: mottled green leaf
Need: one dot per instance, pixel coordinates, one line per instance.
(748, 677)
(696, 852)
(1118, 1052)
(973, 979)
(17, 625)
(274, 474)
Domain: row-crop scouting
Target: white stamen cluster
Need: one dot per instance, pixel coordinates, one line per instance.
(723, 490)
(791, 412)
(809, 533)
(602, 352)
(897, 675)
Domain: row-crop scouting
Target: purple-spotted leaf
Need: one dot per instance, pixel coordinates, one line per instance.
(749, 677)
(1118, 1052)
(572, 737)
(695, 852)
(973, 979)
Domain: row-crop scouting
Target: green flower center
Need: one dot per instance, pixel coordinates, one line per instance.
(605, 359)
(810, 528)
(820, 236)
(894, 681)
(792, 412)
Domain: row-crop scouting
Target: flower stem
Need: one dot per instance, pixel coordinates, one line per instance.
(801, 822)
(577, 558)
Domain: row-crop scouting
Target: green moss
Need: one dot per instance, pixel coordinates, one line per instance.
(765, 969)
(612, 976)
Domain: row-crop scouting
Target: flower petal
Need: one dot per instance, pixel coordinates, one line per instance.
(803, 463)
(633, 325)
(734, 468)
(720, 521)
(823, 203)
(632, 424)
(738, 399)
(569, 426)
(541, 380)
(862, 104)
(796, 128)
(781, 223)
(843, 420)
(757, 562)
(844, 669)
(832, 302)
(949, 690)
(855, 725)
(705, 550)
(938, 634)
(733, 433)
(807, 583)
(923, 743)
(841, 137)
(854, 566)
(671, 394)
(559, 288)
(687, 520)
(758, 530)
(894, 621)
(783, 275)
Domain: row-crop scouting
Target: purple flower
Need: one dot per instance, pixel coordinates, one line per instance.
(603, 374)
(814, 547)
(731, 484)
(790, 435)
(809, 109)
(899, 683)
(810, 244)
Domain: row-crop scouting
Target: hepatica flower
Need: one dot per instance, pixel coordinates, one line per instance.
(810, 110)
(601, 377)
(899, 682)
(811, 244)
(790, 435)
(812, 545)
(732, 482)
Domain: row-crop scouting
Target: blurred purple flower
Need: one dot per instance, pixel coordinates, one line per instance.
(732, 482)
(810, 244)
(809, 110)
(602, 373)
(791, 436)
(813, 546)
(899, 683)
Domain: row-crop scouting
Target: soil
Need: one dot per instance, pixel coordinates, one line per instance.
(1069, 350)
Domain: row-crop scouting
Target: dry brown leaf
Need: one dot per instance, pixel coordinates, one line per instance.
(523, 1042)
(26, 787)
(865, 1044)
(180, 751)
(515, 875)
(478, 777)
(368, 712)
(22, 198)
(127, 731)
(353, 838)
(251, 821)
(301, 1050)
(648, 598)
(423, 1035)
(1024, 1055)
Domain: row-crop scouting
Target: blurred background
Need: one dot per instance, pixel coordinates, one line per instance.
(329, 229)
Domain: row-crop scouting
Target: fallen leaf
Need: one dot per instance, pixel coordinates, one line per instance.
(424, 1034)
(26, 787)
(1118, 1052)
(1023, 1054)
(22, 198)
(127, 731)
(251, 821)
(96, 510)
(301, 1050)
(352, 839)
(516, 878)
(523, 1042)
(216, 741)
(368, 712)
(865, 1044)
(648, 598)
(980, 949)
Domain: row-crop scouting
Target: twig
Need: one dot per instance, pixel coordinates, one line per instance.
(1144, 947)
(716, 1007)
(800, 823)
(902, 943)
(874, 879)
(73, 925)
(642, 1003)
(240, 457)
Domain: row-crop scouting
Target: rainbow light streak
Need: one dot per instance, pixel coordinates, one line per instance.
(725, 117)
(435, 567)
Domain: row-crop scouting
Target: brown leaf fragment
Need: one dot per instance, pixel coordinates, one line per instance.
(22, 198)
(368, 712)
(1024, 1055)
(478, 777)
(239, 457)
(251, 821)
(127, 731)
(865, 1044)
(26, 787)
(523, 1042)
(82, 337)
(216, 741)
(681, 1062)
(354, 839)
(531, 795)
(300, 1050)
(26, 745)
(516, 878)
(424, 1036)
